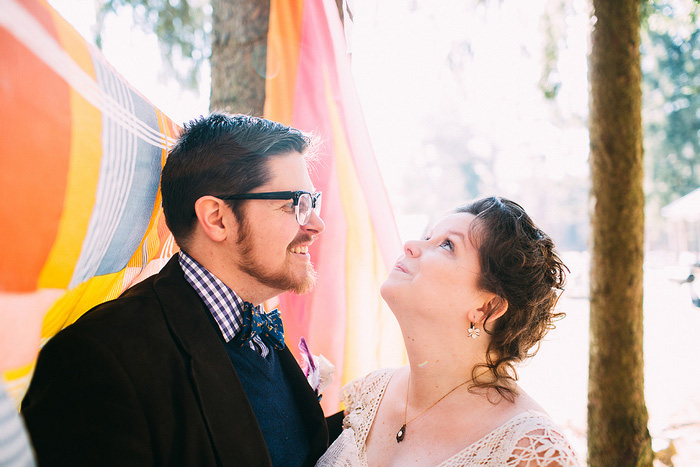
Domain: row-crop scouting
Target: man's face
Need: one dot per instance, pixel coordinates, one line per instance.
(272, 246)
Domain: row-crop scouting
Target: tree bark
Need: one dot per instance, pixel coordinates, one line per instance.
(617, 414)
(239, 55)
(339, 4)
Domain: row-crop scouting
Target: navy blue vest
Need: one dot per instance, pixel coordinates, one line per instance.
(273, 402)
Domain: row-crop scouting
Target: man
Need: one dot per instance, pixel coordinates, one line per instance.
(185, 368)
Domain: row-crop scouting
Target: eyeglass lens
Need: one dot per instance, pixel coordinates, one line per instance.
(305, 206)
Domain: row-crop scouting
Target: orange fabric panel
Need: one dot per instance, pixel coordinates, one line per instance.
(32, 185)
(83, 167)
(283, 43)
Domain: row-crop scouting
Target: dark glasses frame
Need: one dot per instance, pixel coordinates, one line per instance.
(295, 196)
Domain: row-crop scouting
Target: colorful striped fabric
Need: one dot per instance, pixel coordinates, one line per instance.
(80, 159)
(81, 154)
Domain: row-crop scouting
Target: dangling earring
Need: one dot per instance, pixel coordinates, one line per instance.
(473, 331)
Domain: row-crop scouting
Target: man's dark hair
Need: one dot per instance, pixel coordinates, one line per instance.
(219, 155)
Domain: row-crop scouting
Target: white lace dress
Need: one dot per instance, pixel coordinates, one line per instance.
(530, 438)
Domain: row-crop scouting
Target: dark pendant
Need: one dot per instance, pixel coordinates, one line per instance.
(401, 433)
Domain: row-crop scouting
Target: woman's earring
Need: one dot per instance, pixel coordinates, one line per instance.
(473, 331)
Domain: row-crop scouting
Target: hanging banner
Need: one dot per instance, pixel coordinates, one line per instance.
(310, 87)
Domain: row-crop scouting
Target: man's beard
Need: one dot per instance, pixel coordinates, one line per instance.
(283, 279)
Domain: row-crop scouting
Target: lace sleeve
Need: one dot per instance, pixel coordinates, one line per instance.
(362, 393)
(530, 439)
(361, 399)
(543, 446)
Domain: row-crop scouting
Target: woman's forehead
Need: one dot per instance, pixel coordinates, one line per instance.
(460, 221)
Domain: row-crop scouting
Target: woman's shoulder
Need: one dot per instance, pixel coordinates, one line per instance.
(527, 438)
(535, 436)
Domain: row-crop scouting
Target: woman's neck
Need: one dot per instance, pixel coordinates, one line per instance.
(440, 363)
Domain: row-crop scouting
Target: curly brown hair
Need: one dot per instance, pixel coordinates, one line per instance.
(519, 265)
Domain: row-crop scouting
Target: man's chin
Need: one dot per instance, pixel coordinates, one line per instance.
(299, 281)
(307, 284)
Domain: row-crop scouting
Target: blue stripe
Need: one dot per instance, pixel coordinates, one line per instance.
(127, 184)
(141, 199)
(15, 449)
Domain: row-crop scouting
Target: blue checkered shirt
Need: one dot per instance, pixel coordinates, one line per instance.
(223, 303)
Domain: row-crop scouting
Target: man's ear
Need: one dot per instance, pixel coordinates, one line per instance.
(494, 308)
(210, 213)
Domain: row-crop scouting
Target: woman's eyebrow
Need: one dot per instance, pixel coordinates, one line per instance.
(459, 234)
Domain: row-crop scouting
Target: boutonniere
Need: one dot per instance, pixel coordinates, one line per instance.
(318, 369)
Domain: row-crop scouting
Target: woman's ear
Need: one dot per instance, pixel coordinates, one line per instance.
(210, 216)
(494, 308)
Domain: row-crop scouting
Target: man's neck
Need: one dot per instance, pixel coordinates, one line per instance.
(245, 286)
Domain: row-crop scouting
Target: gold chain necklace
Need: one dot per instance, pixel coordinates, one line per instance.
(402, 431)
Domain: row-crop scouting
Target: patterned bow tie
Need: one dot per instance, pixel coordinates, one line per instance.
(266, 325)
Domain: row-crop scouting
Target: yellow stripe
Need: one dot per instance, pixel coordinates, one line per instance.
(83, 170)
(150, 238)
(16, 382)
(77, 301)
(372, 337)
(18, 372)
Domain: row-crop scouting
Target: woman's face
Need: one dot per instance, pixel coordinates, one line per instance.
(438, 274)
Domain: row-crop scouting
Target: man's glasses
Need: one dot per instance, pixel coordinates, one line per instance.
(303, 201)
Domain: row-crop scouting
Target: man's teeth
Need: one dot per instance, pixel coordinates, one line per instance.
(302, 250)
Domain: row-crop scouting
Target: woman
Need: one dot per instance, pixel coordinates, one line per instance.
(472, 299)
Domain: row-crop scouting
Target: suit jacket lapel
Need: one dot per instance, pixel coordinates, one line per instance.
(309, 407)
(232, 425)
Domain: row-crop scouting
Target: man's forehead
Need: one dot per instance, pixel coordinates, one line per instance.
(289, 172)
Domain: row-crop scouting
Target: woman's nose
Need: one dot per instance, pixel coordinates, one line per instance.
(411, 248)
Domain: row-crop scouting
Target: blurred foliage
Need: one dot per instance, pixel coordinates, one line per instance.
(671, 90)
(671, 99)
(183, 28)
(670, 65)
(554, 30)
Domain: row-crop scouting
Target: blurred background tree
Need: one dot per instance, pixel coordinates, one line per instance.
(671, 108)
(671, 48)
(230, 34)
(183, 27)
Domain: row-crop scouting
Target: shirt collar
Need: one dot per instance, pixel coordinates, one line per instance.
(223, 303)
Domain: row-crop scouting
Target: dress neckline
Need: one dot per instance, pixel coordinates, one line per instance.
(386, 378)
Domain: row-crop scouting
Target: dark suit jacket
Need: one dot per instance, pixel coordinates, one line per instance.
(145, 380)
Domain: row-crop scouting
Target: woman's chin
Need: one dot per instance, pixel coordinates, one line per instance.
(388, 292)
(382, 288)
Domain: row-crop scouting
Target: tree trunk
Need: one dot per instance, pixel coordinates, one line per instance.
(239, 55)
(617, 414)
(339, 4)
